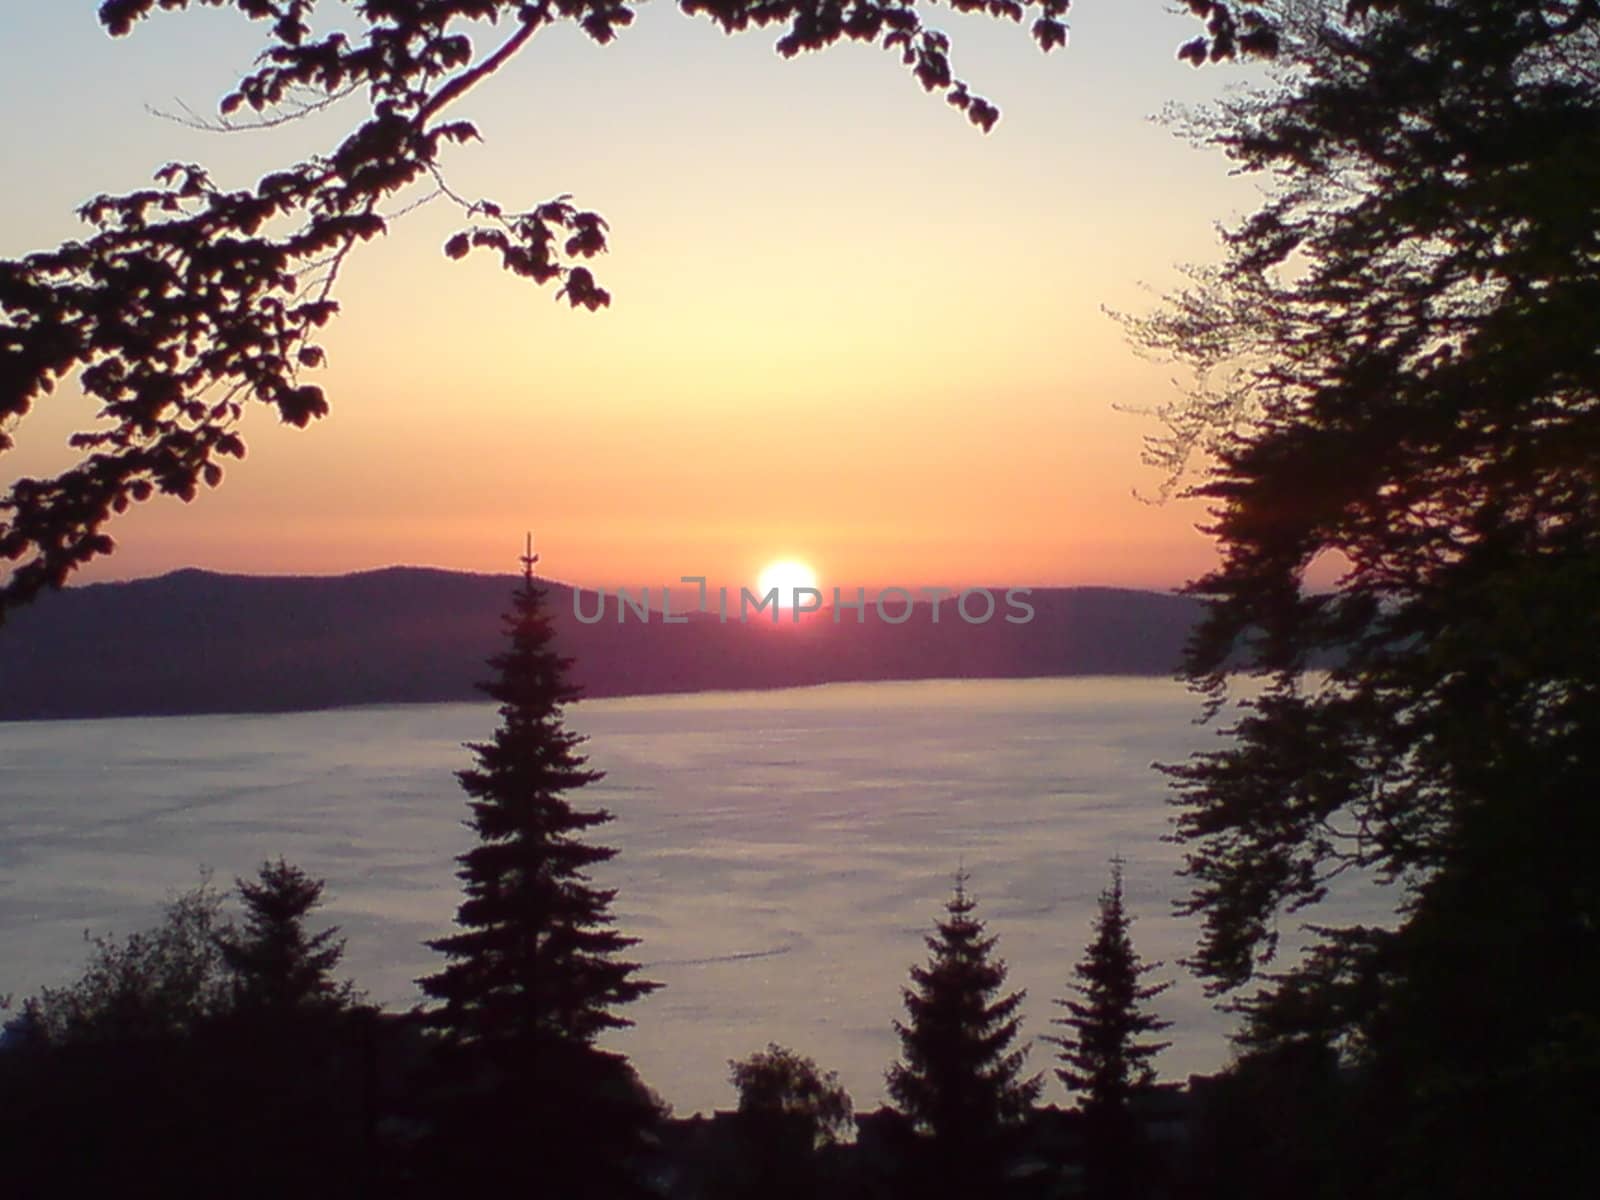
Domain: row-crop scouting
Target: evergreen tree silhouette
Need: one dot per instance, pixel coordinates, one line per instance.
(535, 972)
(1103, 1056)
(960, 1079)
(294, 1046)
(276, 965)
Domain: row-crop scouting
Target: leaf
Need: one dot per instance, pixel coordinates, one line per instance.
(1049, 33)
(299, 405)
(1262, 43)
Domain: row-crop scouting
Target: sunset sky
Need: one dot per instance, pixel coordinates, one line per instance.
(847, 327)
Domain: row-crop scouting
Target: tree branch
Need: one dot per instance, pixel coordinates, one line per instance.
(469, 79)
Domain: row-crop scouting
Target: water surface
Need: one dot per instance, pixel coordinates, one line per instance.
(782, 853)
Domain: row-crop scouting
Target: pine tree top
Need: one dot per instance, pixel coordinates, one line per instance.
(960, 1077)
(276, 964)
(535, 958)
(1102, 1055)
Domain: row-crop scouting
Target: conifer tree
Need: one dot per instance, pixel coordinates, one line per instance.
(276, 965)
(960, 1079)
(535, 972)
(1103, 1055)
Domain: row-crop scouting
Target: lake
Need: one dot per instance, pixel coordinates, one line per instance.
(783, 853)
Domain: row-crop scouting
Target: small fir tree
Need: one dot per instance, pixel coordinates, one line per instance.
(276, 966)
(1106, 1055)
(960, 1081)
(296, 1046)
(535, 971)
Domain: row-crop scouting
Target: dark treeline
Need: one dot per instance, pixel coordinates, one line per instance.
(209, 1049)
(212, 1052)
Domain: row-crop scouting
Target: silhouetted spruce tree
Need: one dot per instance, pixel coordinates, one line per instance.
(1103, 1056)
(294, 1046)
(535, 972)
(276, 965)
(960, 1079)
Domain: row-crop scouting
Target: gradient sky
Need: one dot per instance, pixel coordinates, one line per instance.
(847, 326)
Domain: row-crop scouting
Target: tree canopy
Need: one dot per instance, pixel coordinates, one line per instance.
(778, 1082)
(151, 984)
(1398, 376)
(1106, 1054)
(1397, 383)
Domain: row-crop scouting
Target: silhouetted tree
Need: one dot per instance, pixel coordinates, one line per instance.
(298, 1046)
(1396, 375)
(187, 300)
(1107, 1056)
(960, 1079)
(276, 965)
(788, 1111)
(777, 1080)
(161, 1065)
(151, 984)
(536, 972)
(1104, 1056)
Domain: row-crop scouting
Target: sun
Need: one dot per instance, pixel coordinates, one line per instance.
(786, 575)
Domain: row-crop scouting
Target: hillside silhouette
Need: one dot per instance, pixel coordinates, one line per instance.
(199, 642)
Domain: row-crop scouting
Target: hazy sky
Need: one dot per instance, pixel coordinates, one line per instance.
(847, 326)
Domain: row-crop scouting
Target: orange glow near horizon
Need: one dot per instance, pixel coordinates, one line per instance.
(843, 319)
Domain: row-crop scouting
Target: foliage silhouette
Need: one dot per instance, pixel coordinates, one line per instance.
(161, 1066)
(960, 1080)
(535, 972)
(1396, 374)
(276, 966)
(777, 1080)
(1106, 1056)
(153, 983)
(186, 301)
(788, 1112)
(1103, 1055)
(1277, 1123)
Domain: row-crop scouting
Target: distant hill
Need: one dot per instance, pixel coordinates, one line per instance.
(198, 642)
